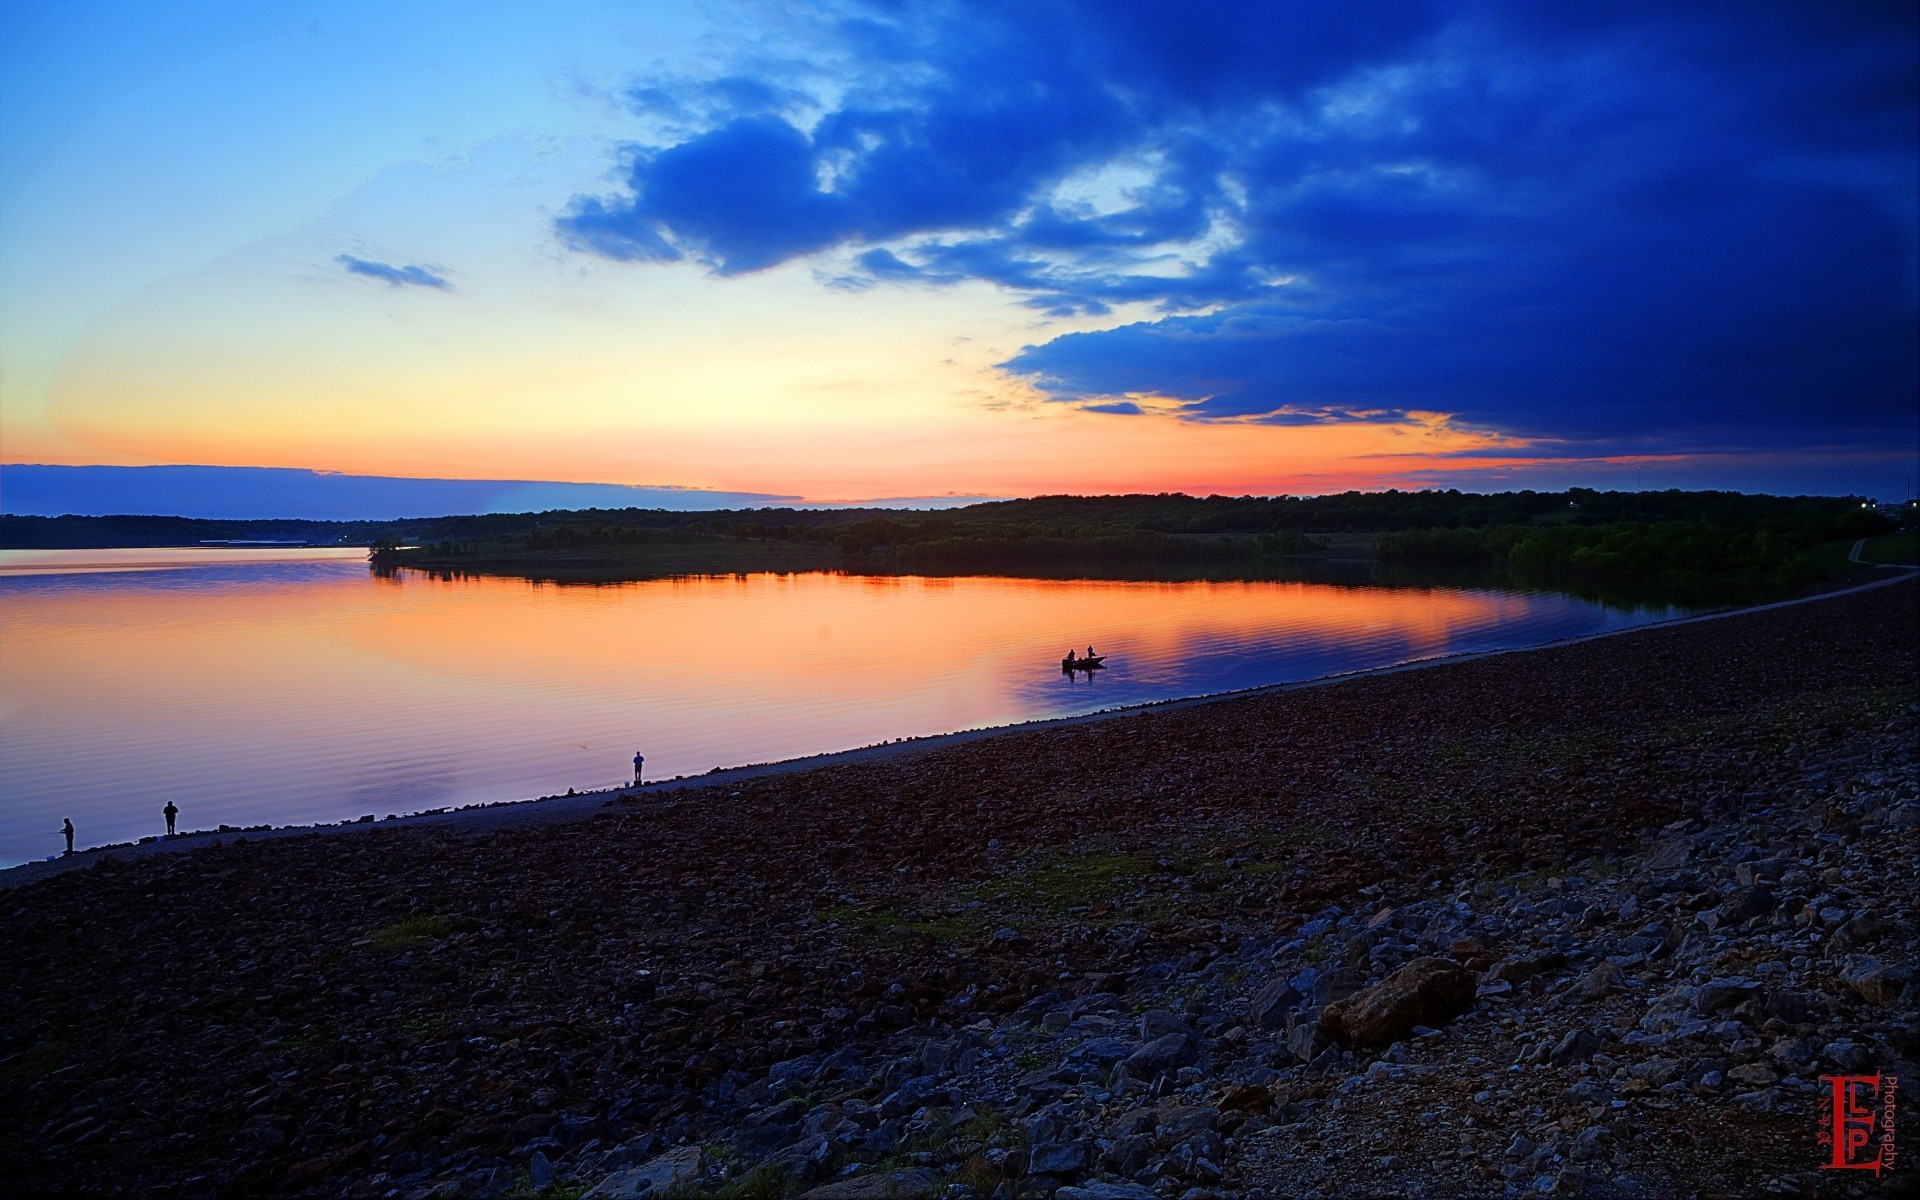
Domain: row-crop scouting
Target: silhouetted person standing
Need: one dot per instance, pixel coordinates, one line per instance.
(639, 765)
(66, 827)
(171, 812)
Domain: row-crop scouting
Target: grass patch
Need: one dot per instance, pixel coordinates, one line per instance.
(1902, 547)
(887, 923)
(1068, 883)
(404, 935)
(35, 1062)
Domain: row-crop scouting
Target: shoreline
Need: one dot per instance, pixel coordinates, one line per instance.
(1663, 877)
(517, 814)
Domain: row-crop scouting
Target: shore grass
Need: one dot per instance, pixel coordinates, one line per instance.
(1902, 547)
(642, 560)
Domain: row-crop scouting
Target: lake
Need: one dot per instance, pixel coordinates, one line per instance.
(293, 686)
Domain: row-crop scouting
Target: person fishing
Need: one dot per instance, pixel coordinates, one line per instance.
(170, 812)
(66, 827)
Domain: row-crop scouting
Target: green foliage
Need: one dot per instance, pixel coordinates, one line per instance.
(403, 935)
(1732, 543)
(1068, 883)
(35, 1062)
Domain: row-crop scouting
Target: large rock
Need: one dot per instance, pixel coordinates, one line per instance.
(918, 1184)
(1877, 983)
(1427, 991)
(1163, 1055)
(652, 1178)
(1268, 1008)
(1104, 1191)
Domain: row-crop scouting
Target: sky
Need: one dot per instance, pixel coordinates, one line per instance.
(851, 250)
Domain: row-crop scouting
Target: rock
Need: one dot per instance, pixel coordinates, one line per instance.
(1427, 991)
(1716, 994)
(1158, 1023)
(1847, 1055)
(1667, 855)
(1246, 1097)
(1754, 1075)
(1656, 1072)
(1129, 1155)
(539, 1170)
(1863, 930)
(1519, 970)
(1056, 1158)
(1268, 1008)
(1577, 1046)
(1602, 981)
(1877, 983)
(651, 1178)
(1589, 1144)
(1163, 1055)
(807, 1159)
(1337, 984)
(920, 1184)
(1746, 903)
(1104, 1191)
(1305, 1039)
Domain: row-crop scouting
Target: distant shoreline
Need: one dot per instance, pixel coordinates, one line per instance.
(582, 805)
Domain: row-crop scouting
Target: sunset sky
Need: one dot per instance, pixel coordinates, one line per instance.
(849, 250)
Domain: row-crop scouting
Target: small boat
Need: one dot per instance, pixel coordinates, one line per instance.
(1091, 662)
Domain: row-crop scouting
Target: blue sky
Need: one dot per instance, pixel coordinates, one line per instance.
(854, 249)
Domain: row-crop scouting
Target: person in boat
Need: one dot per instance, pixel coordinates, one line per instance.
(1069, 660)
(1090, 653)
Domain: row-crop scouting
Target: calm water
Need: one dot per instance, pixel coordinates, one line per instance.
(257, 687)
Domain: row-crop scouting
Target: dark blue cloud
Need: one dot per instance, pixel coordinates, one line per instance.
(410, 275)
(1614, 227)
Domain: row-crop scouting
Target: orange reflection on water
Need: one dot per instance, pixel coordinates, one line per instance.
(289, 692)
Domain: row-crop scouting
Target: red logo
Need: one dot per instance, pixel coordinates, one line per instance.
(1859, 1125)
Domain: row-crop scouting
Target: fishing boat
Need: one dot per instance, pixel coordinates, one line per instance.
(1091, 662)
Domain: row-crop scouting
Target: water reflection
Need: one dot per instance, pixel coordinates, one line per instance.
(287, 689)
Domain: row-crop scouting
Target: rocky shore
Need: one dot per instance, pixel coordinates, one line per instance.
(1583, 921)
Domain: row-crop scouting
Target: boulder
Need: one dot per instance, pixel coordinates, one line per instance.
(1877, 983)
(1427, 991)
(1163, 1055)
(920, 1184)
(1746, 903)
(1603, 980)
(1268, 1008)
(1104, 1191)
(652, 1178)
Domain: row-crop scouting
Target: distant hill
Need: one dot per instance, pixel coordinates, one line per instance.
(282, 493)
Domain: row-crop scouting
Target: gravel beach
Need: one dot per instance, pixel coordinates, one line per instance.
(1590, 919)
